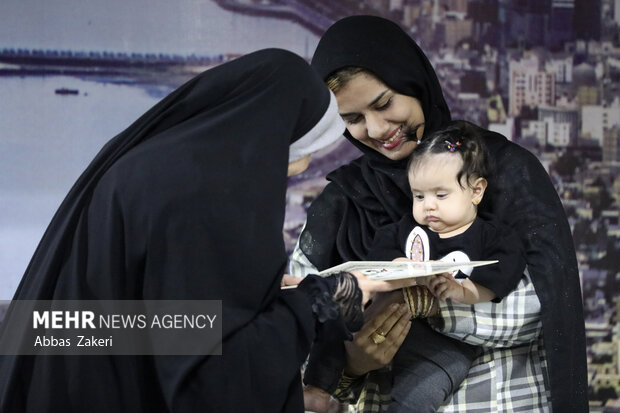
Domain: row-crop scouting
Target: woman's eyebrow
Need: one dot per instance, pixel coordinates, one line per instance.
(374, 101)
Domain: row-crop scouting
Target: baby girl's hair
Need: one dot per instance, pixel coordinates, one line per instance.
(458, 137)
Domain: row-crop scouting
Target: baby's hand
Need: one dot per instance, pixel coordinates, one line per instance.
(444, 286)
(425, 281)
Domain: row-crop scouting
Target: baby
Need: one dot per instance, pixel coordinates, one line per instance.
(448, 174)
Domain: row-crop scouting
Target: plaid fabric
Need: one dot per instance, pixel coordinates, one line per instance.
(512, 322)
(368, 394)
(510, 375)
(506, 380)
(299, 264)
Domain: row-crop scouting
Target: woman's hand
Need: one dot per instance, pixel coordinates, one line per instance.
(376, 343)
(369, 287)
(289, 280)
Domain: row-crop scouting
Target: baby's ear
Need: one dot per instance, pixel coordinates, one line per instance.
(478, 187)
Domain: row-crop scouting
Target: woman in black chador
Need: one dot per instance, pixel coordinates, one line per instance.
(188, 204)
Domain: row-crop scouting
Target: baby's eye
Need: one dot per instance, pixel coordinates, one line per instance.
(418, 197)
(441, 195)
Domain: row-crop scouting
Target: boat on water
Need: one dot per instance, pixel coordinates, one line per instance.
(66, 91)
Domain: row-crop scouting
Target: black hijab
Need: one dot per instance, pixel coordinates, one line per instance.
(373, 191)
(187, 203)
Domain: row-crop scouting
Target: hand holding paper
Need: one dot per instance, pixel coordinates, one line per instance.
(395, 270)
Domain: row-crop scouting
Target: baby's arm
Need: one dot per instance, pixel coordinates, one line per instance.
(444, 287)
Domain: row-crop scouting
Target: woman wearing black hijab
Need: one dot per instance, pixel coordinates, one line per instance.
(544, 329)
(188, 204)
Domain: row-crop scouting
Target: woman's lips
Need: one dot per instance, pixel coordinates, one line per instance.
(393, 144)
(396, 139)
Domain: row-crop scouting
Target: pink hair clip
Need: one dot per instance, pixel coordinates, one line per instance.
(452, 146)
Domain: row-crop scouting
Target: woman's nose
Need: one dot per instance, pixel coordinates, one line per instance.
(376, 126)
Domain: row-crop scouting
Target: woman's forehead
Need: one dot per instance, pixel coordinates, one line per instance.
(361, 90)
(364, 80)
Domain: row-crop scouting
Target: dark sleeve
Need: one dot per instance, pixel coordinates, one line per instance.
(389, 241)
(319, 239)
(259, 369)
(342, 221)
(499, 242)
(260, 365)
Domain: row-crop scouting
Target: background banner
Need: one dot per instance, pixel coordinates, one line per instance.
(545, 73)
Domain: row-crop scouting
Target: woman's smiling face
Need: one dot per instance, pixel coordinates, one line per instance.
(378, 117)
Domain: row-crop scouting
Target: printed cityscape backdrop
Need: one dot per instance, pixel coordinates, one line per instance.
(545, 73)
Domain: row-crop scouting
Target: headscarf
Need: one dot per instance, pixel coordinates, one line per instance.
(323, 134)
(186, 203)
(373, 191)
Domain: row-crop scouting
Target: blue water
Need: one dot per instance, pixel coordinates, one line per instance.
(46, 141)
(145, 26)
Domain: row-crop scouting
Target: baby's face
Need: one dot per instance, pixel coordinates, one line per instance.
(439, 202)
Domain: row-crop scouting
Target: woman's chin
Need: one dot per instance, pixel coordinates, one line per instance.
(401, 152)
